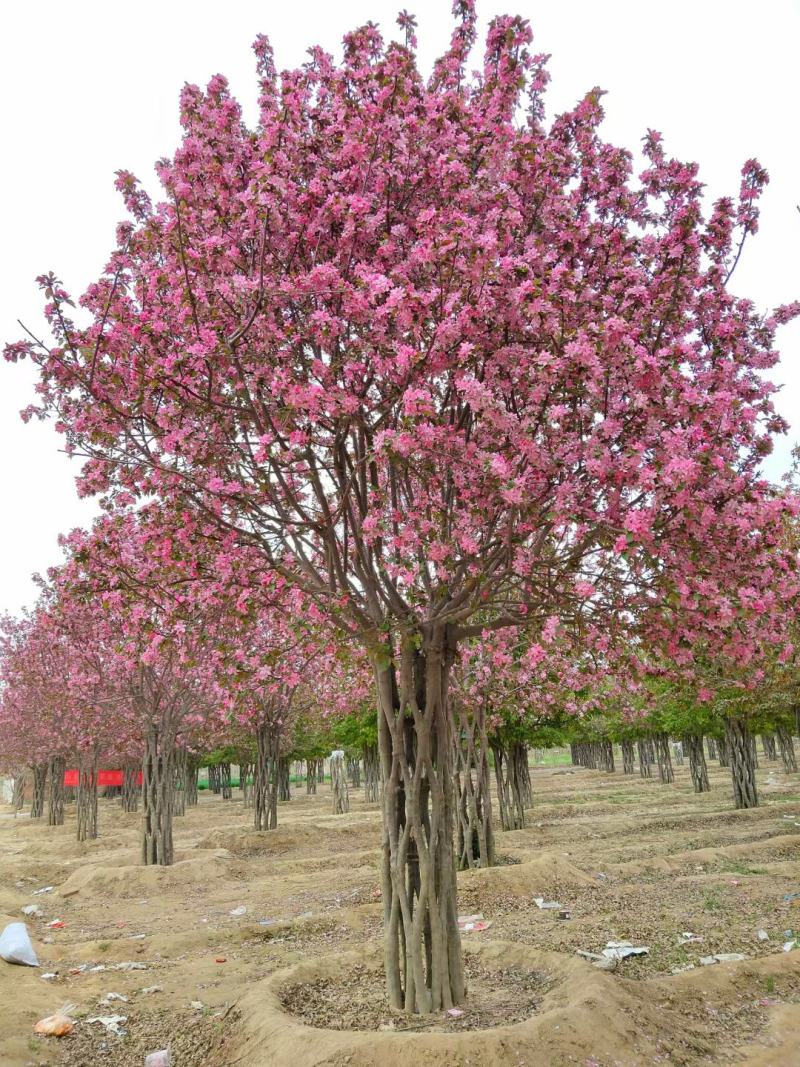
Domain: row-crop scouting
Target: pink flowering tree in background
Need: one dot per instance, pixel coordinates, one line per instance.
(446, 367)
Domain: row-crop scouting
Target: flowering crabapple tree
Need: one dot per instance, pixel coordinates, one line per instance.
(446, 366)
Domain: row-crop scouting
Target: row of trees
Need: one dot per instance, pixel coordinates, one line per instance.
(402, 394)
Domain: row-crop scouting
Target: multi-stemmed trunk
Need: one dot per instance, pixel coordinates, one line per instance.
(604, 756)
(214, 783)
(354, 771)
(86, 806)
(39, 783)
(372, 773)
(225, 780)
(663, 757)
(158, 789)
(722, 751)
(519, 754)
(786, 746)
(192, 774)
(711, 745)
(341, 798)
(693, 745)
(473, 788)
(742, 764)
(645, 766)
(422, 945)
(265, 785)
(246, 782)
(284, 779)
(510, 791)
(678, 753)
(321, 770)
(311, 777)
(130, 787)
(181, 773)
(627, 757)
(768, 743)
(18, 792)
(55, 801)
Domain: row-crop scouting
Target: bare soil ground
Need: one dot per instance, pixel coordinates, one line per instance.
(296, 978)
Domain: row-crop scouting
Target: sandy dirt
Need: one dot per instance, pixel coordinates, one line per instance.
(295, 980)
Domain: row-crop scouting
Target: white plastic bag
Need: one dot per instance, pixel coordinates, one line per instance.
(158, 1059)
(16, 947)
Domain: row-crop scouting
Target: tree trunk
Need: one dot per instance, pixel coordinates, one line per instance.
(130, 787)
(214, 783)
(372, 774)
(645, 769)
(422, 945)
(722, 751)
(158, 788)
(225, 780)
(627, 757)
(768, 742)
(245, 782)
(740, 756)
(181, 771)
(519, 754)
(192, 772)
(39, 783)
(284, 779)
(509, 791)
(55, 803)
(473, 788)
(18, 792)
(677, 752)
(663, 758)
(786, 745)
(311, 777)
(693, 744)
(265, 786)
(341, 798)
(86, 807)
(321, 770)
(711, 744)
(354, 771)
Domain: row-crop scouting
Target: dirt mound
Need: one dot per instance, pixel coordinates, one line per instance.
(137, 881)
(549, 872)
(583, 1016)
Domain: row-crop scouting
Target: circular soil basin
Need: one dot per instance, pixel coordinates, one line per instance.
(355, 999)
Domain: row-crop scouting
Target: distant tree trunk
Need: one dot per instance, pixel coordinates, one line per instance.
(245, 783)
(265, 786)
(693, 744)
(284, 779)
(752, 743)
(786, 745)
(372, 774)
(677, 752)
(473, 790)
(225, 780)
(712, 748)
(519, 755)
(509, 788)
(192, 774)
(214, 780)
(86, 808)
(645, 769)
(604, 755)
(740, 756)
(181, 774)
(321, 770)
(18, 793)
(768, 741)
(158, 790)
(130, 787)
(354, 771)
(722, 751)
(627, 757)
(341, 799)
(663, 758)
(39, 783)
(311, 777)
(55, 804)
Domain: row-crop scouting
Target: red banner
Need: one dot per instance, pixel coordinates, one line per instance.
(103, 778)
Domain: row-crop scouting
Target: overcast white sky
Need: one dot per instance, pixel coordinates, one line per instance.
(89, 86)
